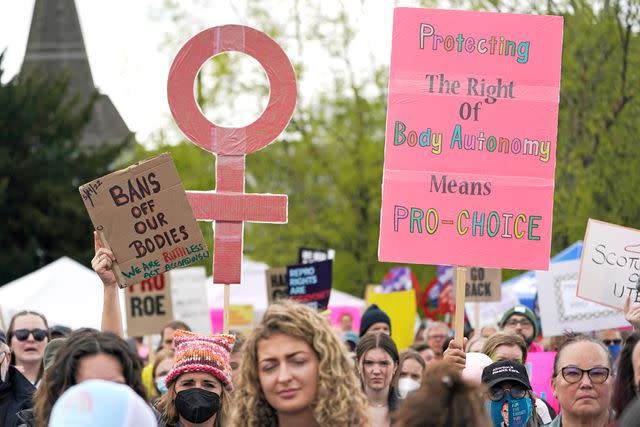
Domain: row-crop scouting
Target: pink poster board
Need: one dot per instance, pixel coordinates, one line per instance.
(540, 368)
(217, 320)
(470, 139)
(338, 310)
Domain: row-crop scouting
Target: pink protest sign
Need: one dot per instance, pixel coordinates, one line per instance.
(471, 139)
(229, 206)
(540, 368)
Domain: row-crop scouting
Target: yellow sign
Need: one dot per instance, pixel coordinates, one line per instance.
(241, 318)
(401, 308)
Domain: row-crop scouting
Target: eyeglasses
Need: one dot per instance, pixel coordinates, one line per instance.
(525, 323)
(614, 342)
(23, 334)
(573, 374)
(436, 337)
(515, 391)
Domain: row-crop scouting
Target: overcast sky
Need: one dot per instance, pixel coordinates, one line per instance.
(123, 41)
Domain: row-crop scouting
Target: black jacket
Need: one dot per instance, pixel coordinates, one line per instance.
(16, 394)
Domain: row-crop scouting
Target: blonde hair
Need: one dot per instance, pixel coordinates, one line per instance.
(504, 338)
(167, 406)
(339, 401)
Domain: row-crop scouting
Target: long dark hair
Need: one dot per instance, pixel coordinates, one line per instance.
(384, 342)
(62, 374)
(624, 388)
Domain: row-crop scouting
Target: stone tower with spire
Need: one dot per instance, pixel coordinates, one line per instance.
(56, 46)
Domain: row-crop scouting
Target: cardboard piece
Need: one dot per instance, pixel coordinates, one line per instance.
(540, 368)
(148, 305)
(311, 283)
(610, 264)
(561, 310)
(483, 284)
(189, 296)
(229, 206)
(401, 309)
(470, 139)
(143, 215)
(277, 284)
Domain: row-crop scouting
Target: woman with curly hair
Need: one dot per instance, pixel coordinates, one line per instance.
(296, 372)
(199, 384)
(627, 379)
(88, 354)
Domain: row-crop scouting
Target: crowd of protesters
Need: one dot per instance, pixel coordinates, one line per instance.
(295, 369)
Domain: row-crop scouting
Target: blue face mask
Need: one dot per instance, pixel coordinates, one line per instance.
(614, 349)
(161, 386)
(519, 411)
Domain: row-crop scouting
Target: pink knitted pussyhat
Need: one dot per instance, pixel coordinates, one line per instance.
(202, 353)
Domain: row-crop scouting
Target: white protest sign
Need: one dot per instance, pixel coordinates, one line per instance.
(189, 295)
(561, 310)
(610, 264)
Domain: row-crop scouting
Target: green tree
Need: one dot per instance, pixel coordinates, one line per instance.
(42, 216)
(329, 160)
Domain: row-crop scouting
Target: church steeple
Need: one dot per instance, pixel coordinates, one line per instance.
(55, 46)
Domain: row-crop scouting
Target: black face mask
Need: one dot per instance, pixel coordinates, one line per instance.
(197, 405)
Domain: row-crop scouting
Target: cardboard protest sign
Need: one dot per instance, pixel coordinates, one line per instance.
(189, 295)
(277, 285)
(540, 369)
(483, 284)
(610, 264)
(561, 310)
(142, 213)
(229, 206)
(471, 138)
(401, 309)
(148, 305)
(311, 283)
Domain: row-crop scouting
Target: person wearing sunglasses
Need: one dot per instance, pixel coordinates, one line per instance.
(511, 401)
(15, 389)
(612, 338)
(28, 335)
(582, 382)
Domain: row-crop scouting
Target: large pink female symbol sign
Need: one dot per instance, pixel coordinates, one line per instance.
(229, 206)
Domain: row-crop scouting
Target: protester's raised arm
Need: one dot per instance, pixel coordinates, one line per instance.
(632, 313)
(102, 264)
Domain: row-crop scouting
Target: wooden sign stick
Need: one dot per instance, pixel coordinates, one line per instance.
(225, 316)
(458, 324)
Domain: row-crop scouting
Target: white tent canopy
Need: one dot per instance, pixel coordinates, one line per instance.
(70, 294)
(65, 291)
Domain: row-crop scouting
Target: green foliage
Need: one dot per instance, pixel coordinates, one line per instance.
(597, 174)
(329, 160)
(42, 216)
